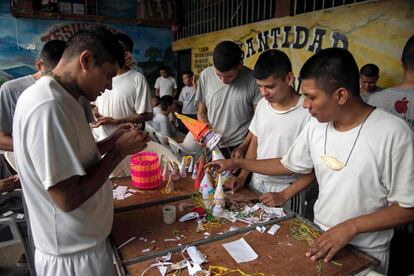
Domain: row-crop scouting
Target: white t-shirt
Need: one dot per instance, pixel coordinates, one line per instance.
(187, 97)
(161, 123)
(165, 85)
(396, 100)
(275, 132)
(379, 171)
(53, 142)
(130, 95)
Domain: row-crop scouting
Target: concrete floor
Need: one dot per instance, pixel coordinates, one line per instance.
(8, 257)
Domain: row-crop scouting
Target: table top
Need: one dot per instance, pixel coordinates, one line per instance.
(147, 225)
(183, 188)
(280, 254)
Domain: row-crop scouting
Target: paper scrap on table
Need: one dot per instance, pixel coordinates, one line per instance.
(163, 269)
(241, 251)
(261, 229)
(20, 216)
(8, 213)
(119, 192)
(128, 195)
(233, 228)
(273, 229)
(195, 255)
(167, 257)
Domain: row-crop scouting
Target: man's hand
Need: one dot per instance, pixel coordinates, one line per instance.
(236, 183)
(223, 165)
(96, 113)
(131, 142)
(238, 153)
(123, 128)
(9, 184)
(273, 199)
(105, 121)
(331, 241)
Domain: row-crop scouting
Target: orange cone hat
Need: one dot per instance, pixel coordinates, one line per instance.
(197, 128)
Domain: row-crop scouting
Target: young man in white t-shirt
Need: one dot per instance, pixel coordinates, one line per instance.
(399, 100)
(165, 84)
(362, 157)
(278, 119)
(161, 122)
(63, 177)
(129, 101)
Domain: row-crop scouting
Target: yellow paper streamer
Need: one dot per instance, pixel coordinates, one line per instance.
(218, 270)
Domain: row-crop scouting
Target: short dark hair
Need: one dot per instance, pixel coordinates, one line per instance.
(227, 55)
(408, 54)
(51, 53)
(126, 41)
(100, 41)
(165, 68)
(332, 68)
(369, 70)
(188, 72)
(272, 62)
(166, 101)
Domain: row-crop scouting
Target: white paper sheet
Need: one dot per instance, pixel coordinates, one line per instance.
(241, 251)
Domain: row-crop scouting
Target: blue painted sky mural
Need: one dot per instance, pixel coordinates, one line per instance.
(22, 38)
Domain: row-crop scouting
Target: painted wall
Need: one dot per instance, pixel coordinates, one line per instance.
(21, 40)
(375, 32)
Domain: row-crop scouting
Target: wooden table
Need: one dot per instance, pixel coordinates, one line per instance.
(183, 188)
(280, 254)
(148, 226)
(141, 216)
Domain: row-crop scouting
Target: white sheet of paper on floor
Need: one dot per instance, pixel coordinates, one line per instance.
(273, 229)
(146, 250)
(20, 216)
(241, 251)
(8, 213)
(195, 255)
(132, 190)
(127, 195)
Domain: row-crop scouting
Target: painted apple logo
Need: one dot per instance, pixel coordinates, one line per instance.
(401, 106)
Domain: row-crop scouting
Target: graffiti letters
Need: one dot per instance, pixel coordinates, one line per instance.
(296, 37)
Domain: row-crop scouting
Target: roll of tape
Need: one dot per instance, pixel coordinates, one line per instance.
(169, 214)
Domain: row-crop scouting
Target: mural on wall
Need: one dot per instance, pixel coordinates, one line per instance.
(22, 40)
(374, 32)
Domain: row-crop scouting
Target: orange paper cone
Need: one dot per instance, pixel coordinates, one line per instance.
(197, 128)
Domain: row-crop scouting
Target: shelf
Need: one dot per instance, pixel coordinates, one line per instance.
(57, 16)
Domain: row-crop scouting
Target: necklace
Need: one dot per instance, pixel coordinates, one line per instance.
(49, 73)
(331, 161)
